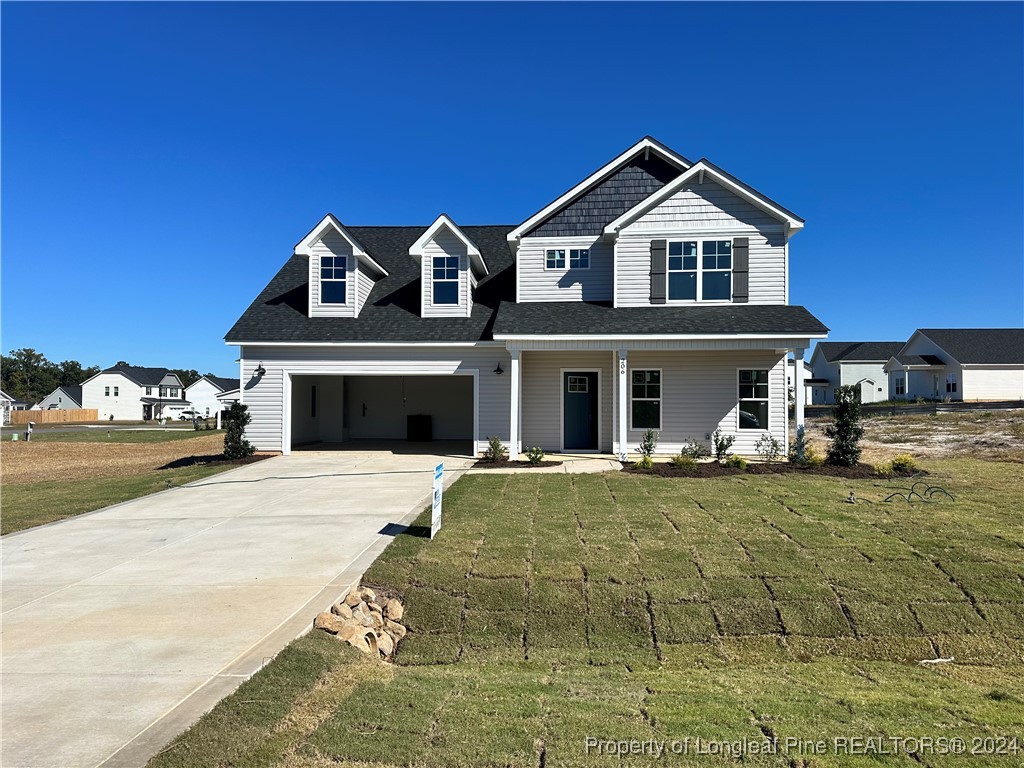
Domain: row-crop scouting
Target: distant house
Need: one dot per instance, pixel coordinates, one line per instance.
(63, 399)
(859, 364)
(959, 364)
(204, 392)
(6, 406)
(133, 393)
(790, 387)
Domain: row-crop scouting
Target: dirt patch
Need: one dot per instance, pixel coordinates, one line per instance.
(483, 464)
(38, 462)
(216, 460)
(714, 469)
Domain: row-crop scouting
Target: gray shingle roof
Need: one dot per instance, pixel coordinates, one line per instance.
(147, 377)
(225, 384)
(74, 392)
(554, 318)
(392, 310)
(869, 351)
(996, 346)
(920, 360)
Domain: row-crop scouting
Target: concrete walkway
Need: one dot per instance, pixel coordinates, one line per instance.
(122, 626)
(572, 464)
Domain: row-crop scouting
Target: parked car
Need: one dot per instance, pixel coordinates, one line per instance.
(190, 415)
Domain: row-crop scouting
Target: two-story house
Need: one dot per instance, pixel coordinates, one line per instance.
(204, 393)
(133, 393)
(653, 294)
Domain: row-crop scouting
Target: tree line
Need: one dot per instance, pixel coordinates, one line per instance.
(27, 375)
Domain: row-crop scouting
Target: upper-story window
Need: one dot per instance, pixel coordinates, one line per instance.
(446, 280)
(700, 270)
(555, 259)
(579, 258)
(333, 279)
(149, 390)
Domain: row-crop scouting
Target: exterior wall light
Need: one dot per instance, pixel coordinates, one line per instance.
(499, 370)
(260, 371)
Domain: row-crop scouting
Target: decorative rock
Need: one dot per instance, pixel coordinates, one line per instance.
(394, 610)
(340, 609)
(375, 607)
(330, 622)
(368, 595)
(385, 644)
(395, 629)
(352, 599)
(376, 620)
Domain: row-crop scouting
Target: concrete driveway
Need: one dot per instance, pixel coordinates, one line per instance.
(122, 626)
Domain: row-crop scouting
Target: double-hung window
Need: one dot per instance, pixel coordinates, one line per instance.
(645, 399)
(951, 383)
(753, 399)
(106, 391)
(333, 279)
(700, 270)
(149, 391)
(900, 385)
(555, 258)
(446, 279)
(174, 391)
(115, 392)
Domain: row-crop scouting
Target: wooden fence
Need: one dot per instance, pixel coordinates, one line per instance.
(55, 416)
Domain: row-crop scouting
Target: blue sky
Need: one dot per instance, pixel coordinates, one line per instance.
(160, 161)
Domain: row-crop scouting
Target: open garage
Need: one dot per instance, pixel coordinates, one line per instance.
(351, 411)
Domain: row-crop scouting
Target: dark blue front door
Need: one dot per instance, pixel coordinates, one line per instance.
(579, 411)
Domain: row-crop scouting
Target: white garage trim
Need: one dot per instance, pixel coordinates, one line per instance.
(286, 394)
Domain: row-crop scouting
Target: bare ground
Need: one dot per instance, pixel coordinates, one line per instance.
(40, 461)
(982, 434)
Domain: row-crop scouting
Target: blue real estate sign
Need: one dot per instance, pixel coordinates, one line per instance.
(435, 511)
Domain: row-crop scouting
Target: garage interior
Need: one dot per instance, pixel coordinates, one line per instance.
(331, 412)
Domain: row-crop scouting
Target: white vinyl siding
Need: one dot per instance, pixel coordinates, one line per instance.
(706, 212)
(264, 398)
(541, 394)
(203, 397)
(446, 243)
(332, 244)
(364, 284)
(538, 283)
(124, 406)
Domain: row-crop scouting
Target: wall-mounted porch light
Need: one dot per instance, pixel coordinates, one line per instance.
(260, 371)
(499, 370)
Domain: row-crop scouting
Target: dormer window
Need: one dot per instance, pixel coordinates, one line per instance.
(333, 277)
(446, 280)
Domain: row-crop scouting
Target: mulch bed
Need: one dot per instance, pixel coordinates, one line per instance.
(482, 464)
(216, 461)
(714, 469)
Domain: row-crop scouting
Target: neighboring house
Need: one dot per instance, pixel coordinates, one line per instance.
(131, 393)
(229, 397)
(959, 364)
(6, 406)
(62, 398)
(203, 393)
(653, 294)
(791, 376)
(859, 364)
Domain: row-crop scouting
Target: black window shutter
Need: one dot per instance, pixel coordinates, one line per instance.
(658, 249)
(740, 270)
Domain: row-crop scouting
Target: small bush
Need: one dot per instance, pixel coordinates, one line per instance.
(235, 444)
(812, 458)
(768, 448)
(883, 469)
(644, 462)
(736, 461)
(798, 452)
(845, 430)
(903, 463)
(535, 454)
(722, 444)
(495, 450)
(683, 461)
(648, 444)
(694, 450)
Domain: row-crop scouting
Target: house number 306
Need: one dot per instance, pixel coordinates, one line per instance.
(622, 366)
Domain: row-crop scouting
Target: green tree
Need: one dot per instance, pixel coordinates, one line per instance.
(845, 430)
(186, 376)
(235, 444)
(27, 375)
(72, 373)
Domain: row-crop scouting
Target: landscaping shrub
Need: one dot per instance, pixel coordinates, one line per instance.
(648, 443)
(683, 461)
(798, 452)
(495, 451)
(812, 458)
(722, 444)
(768, 448)
(535, 454)
(845, 430)
(904, 462)
(235, 444)
(694, 450)
(883, 468)
(736, 461)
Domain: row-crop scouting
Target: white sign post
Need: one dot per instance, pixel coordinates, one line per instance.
(435, 511)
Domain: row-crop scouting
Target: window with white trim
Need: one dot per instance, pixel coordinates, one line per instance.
(900, 385)
(446, 279)
(333, 279)
(149, 390)
(753, 399)
(554, 258)
(700, 270)
(115, 392)
(106, 391)
(579, 258)
(951, 383)
(645, 399)
(174, 391)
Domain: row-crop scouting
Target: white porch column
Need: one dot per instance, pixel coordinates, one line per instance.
(798, 386)
(513, 430)
(623, 381)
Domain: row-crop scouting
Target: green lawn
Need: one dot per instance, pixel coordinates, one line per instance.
(552, 608)
(100, 435)
(27, 505)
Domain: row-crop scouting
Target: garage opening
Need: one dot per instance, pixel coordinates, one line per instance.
(408, 414)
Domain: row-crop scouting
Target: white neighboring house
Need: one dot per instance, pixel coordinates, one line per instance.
(133, 393)
(6, 405)
(62, 399)
(204, 393)
(226, 399)
(653, 294)
(859, 364)
(790, 373)
(959, 364)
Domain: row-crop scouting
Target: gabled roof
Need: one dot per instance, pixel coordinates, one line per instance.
(444, 222)
(328, 223)
(74, 392)
(220, 382)
(146, 377)
(699, 170)
(5, 396)
(980, 346)
(645, 146)
(859, 351)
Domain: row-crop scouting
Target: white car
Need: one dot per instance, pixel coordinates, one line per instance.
(189, 415)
